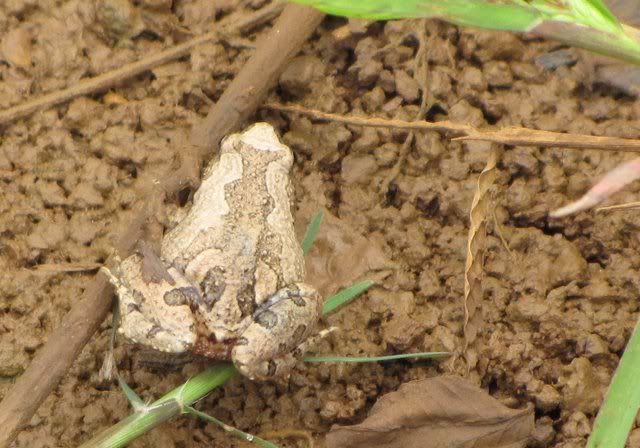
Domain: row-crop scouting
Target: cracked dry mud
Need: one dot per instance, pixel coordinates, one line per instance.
(560, 302)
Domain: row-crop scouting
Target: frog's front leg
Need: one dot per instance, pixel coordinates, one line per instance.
(279, 333)
(155, 313)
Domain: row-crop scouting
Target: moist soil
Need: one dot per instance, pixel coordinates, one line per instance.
(560, 296)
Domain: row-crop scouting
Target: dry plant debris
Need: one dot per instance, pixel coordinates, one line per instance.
(473, 269)
(612, 182)
(440, 412)
(514, 136)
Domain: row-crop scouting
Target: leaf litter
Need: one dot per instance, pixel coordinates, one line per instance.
(439, 412)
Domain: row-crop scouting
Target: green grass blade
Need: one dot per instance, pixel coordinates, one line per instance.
(620, 407)
(345, 296)
(163, 409)
(201, 384)
(423, 355)
(596, 14)
(231, 430)
(587, 24)
(312, 232)
(136, 402)
(464, 12)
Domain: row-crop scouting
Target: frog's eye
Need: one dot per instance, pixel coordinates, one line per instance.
(181, 296)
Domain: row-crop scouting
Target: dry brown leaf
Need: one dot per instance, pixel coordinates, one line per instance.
(440, 412)
(473, 269)
(16, 48)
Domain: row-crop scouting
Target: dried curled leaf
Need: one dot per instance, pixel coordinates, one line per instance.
(438, 412)
(475, 254)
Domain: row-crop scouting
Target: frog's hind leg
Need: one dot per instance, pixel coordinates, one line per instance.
(281, 366)
(280, 333)
(154, 313)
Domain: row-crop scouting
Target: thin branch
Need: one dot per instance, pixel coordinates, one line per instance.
(514, 136)
(626, 206)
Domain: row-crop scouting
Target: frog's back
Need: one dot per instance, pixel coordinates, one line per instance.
(241, 217)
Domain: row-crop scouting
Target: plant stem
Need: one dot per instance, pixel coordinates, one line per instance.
(163, 409)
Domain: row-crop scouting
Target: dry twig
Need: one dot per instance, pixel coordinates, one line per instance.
(66, 267)
(507, 136)
(250, 87)
(625, 206)
(62, 347)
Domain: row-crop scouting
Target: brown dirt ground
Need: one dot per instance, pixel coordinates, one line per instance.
(560, 300)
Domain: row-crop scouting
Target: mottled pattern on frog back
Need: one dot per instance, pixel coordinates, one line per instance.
(231, 270)
(255, 232)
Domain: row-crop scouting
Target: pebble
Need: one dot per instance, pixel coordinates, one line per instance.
(298, 76)
(387, 154)
(594, 345)
(582, 391)
(373, 100)
(463, 112)
(84, 196)
(498, 74)
(440, 83)
(521, 160)
(543, 433)
(367, 141)
(369, 73)
(406, 86)
(473, 78)
(48, 234)
(358, 169)
(577, 425)
(51, 193)
(392, 105)
(387, 81)
(526, 71)
(548, 398)
(558, 58)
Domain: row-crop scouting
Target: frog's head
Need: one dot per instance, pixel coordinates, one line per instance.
(261, 137)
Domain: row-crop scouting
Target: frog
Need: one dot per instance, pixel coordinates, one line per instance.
(231, 273)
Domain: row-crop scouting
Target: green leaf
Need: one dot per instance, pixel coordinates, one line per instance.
(163, 409)
(136, 402)
(464, 12)
(428, 355)
(312, 232)
(620, 407)
(345, 296)
(596, 14)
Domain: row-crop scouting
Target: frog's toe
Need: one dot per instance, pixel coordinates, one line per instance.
(265, 370)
